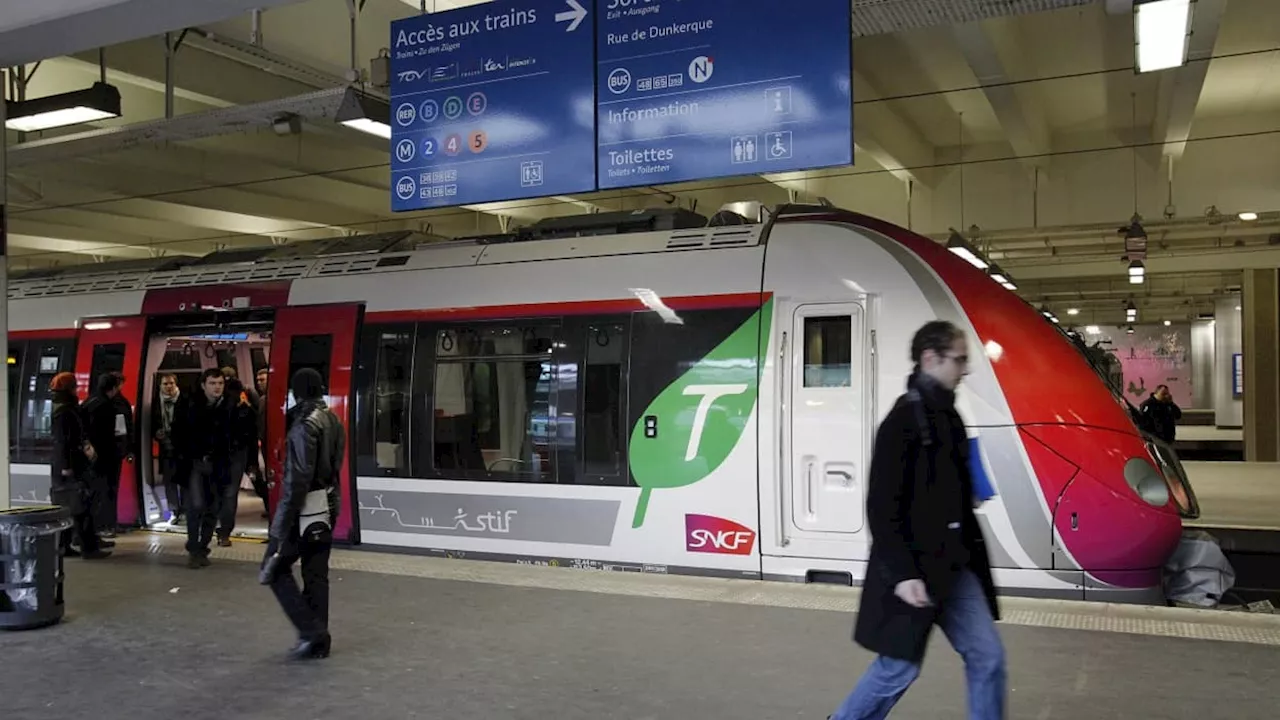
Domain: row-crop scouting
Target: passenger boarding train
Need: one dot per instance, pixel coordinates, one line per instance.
(691, 400)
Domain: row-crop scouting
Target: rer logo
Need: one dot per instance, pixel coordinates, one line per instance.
(709, 534)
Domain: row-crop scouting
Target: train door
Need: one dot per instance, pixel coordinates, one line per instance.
(115, 345)
(321, 337)
(825, 389)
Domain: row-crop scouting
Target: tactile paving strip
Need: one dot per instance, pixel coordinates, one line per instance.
(1064, 615)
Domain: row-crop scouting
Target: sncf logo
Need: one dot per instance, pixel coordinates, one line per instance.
(707, 534)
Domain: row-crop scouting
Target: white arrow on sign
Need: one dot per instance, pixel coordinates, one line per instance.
(576, 15)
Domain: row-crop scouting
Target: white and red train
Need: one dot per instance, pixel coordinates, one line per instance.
(697, 400)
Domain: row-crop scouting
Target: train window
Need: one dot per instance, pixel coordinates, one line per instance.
(309, 351)
(42, 359)
(17, 351)
(107, 358)
(494, 400)
(383, 420)
(828, 351)
(603, 387)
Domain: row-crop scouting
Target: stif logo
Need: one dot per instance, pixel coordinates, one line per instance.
(708, 534)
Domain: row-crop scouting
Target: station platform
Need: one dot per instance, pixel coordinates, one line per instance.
(1240, 508)
(1206, 442)
(418, 637)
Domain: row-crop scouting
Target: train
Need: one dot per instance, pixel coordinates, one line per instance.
(641, 391)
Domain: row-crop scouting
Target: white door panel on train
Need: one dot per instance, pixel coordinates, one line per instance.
(826, 411)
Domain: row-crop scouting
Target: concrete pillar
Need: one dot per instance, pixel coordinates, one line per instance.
(1261, 345)
(4, 300)
(1228, 408)
(1202, 386)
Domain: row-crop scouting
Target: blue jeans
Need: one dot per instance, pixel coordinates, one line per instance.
(966, 621)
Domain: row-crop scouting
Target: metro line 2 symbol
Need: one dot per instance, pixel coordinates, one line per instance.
(709, 534)
(701, 68)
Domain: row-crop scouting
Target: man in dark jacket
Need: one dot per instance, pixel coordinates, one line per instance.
(242, 431)
(203, 441)
(108, 424)
(72, 454)
(928, 561)
(1162, 414)
(308, 511)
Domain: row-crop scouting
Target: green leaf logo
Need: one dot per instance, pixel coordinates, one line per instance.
(700, 417)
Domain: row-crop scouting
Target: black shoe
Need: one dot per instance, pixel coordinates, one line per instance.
(96, 555)
(311, 649)
(195, 562)
(106, 543)
(204, 561)
(70, 552)
(224, 541)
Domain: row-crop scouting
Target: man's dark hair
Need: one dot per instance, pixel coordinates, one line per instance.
(210, 373)
(936, 335)
(307, 385)
(108, 382)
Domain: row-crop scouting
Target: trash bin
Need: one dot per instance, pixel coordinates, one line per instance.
(31, 566)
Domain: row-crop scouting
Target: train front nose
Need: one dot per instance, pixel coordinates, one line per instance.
(1117, 509)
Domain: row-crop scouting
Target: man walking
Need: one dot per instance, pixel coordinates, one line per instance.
(928, 561)
(202, 437)
(307, 513)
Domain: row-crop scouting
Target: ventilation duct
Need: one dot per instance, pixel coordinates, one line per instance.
(882, 17)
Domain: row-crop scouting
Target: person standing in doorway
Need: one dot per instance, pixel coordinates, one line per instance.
(162, 427)
(108, 429)
(928, 562)
(1162, 414)
(72, 456)
(202, 441)
(307, 513)
(256, 460)
(242, 430)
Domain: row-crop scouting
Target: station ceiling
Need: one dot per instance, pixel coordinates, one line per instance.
(1021, 124)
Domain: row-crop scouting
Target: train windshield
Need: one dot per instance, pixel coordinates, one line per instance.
(1107, 367)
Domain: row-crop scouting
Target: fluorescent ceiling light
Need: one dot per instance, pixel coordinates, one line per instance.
(1073, 311)
(1137, 272)
(362, 112)
(373, 127)
(1161, 29)
(99, 102)
(958, 245)
(1093, 329)
(1248, 216)
(1167, 323)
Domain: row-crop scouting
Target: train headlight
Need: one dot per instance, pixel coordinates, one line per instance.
(1176, 478)
(1146, 482)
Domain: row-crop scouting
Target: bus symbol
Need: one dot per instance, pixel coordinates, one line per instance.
(701, 68)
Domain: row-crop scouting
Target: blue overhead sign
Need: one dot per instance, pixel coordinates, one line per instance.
(492, 102)
(696, 89)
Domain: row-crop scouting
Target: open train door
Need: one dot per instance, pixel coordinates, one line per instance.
(115, 345)
(321, 337)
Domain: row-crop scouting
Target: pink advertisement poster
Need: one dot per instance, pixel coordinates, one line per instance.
(1153, 355)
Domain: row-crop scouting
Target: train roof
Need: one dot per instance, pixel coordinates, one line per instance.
(606, 233)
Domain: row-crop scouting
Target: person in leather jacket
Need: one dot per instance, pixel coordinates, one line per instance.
(302, 529)
(70, 484)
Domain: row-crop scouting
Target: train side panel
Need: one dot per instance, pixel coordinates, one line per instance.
(694, 324)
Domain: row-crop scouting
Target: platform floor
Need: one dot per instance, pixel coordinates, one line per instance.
(1236, 495)
(423, 637)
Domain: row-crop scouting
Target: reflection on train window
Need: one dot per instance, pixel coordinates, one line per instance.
(828, 351)
(309, 351)
(603, 385)
(494, 401)
(391, 398)
(32, 367)
(107, 358)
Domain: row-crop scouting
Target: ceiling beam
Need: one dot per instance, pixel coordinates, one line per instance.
(1180, 87)
(990, 48)
(53, 245)
(99, 23)
(1216, 260)
(887, 137)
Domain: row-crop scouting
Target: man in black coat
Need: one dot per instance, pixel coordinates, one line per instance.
(1162, 414)
(928, 561)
